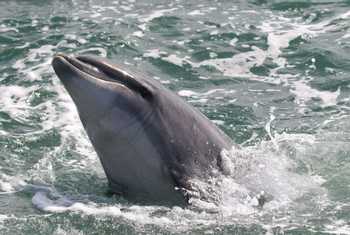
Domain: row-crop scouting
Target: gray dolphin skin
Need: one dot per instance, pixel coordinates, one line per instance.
(149, 140)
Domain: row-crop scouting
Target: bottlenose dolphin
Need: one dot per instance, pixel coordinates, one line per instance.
(149, 140)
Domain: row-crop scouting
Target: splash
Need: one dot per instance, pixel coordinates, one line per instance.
(251, 174)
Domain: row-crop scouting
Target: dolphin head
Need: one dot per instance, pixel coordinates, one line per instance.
(149, 140)
(118, 112)
(96, 86)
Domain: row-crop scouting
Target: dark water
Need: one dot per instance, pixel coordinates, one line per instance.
(274, 75)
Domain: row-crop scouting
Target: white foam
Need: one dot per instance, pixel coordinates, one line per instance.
(71, 231)
(3, 217)
(4, 29)
(237, 66)
(138, 34)
(189, 93)
(57, 113)
(75, 38)
(32, 73)
(305, 93)
(127, 7)
(346, 36)
(233, 41)
(154, 53)
(218, 122)
(268, 127)
(102, 52)
(280, 32)
(10, 184)
(270, 170)
(279, 37)
(345, 15)
(139, 214)
(26, 44)
(156, 14)
(338, 227)
(13, 100)
(173, 59)
(45, 28)
(195, 13)
(42, 172)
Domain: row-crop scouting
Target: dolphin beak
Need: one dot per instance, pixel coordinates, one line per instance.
(59, 62)
(60, 55)
(62, 62)
(99, 69)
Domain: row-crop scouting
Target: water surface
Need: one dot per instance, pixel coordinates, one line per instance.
(274, 75)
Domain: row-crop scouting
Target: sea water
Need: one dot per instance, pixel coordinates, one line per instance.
(274, 75)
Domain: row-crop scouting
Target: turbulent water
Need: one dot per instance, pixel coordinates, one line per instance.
(274, 75)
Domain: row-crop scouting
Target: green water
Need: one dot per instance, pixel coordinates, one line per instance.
(274, 75)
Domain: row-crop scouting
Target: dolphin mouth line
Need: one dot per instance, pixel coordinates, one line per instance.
(82, 65)
(101, 69)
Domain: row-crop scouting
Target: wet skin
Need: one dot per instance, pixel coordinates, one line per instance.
(149, 140)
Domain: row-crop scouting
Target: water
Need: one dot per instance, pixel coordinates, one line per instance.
(274, 75)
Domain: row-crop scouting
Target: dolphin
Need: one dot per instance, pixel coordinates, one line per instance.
(150, 142)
